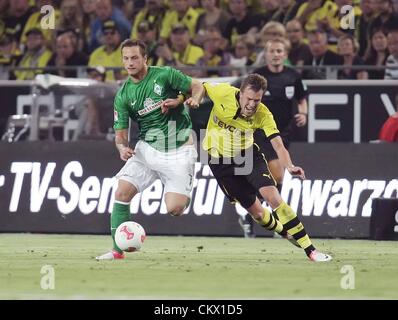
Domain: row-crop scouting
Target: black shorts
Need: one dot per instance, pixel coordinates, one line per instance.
(265, 145)
(238, 183)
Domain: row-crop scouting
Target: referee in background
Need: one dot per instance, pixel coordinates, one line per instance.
(286, 99)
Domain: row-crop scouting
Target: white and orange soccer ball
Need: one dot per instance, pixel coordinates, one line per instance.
(130, 236)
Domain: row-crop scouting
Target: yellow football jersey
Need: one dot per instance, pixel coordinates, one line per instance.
(227, 132)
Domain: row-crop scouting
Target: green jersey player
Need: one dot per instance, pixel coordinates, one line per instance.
(151, 96)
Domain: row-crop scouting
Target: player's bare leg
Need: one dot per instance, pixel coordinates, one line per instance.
(125, 192)
(176, 203)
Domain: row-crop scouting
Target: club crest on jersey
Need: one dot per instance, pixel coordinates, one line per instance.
(157, 89)
(289, 91)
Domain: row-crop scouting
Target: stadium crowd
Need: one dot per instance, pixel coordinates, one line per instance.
(214, 37)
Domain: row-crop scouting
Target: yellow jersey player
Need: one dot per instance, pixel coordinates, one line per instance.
(238, 165)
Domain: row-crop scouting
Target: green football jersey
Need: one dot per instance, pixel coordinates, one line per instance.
(141, 102)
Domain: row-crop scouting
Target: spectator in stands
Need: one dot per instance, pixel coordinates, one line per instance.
(299, 50)
(392, 60)
(196, 4)
(18, 14)
(214, 54)
(270, 31)
(66, 54)
(9, 52)
(180, 13)
(270, 8)
(94, 116)
(363, 23)
(320, 56)
(147, 32)
(35, 21)
(313, 10)
(340, 23)
(72, 19)
(241, 22)
(347, 47)
(109, 55)
(105, 11)
(389, 130)
(244, 54)
(128, 7)
(36, 55)
(153, 13)
(377, 53)
(182, 51)
(287, 11)
(89, 16)
(386, 18)
(213, 16)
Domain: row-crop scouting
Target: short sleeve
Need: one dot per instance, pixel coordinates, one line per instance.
(179, 81)
(300, 88)
(267, 122)
(120, 112)
(216, 91)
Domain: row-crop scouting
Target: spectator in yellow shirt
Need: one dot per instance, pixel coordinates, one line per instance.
(182, 51)
(36, 55)
(109, 54)
(181, 13)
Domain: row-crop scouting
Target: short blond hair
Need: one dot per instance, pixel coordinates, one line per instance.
(355, 43)
(273, 25)
(285, 42)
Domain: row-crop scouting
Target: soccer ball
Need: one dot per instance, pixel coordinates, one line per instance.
(130, 236)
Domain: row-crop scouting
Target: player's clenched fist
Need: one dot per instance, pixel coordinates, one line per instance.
(296, 172)
(126, 153)
(191, 102)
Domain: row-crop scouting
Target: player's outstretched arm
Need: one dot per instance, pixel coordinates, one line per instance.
(171, 103)
(197, 94)
(122, 144)
(284, 157)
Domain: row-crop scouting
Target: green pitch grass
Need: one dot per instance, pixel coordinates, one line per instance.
(194, 268)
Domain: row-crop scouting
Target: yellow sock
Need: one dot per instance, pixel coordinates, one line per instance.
(292, 225)
(269, 222)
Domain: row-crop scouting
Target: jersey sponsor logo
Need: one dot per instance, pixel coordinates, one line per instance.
(223, 125)
(149, 106)
(289, 91)
(157, 89)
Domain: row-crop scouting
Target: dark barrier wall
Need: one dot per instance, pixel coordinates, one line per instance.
(68, 187)
(348, 111)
